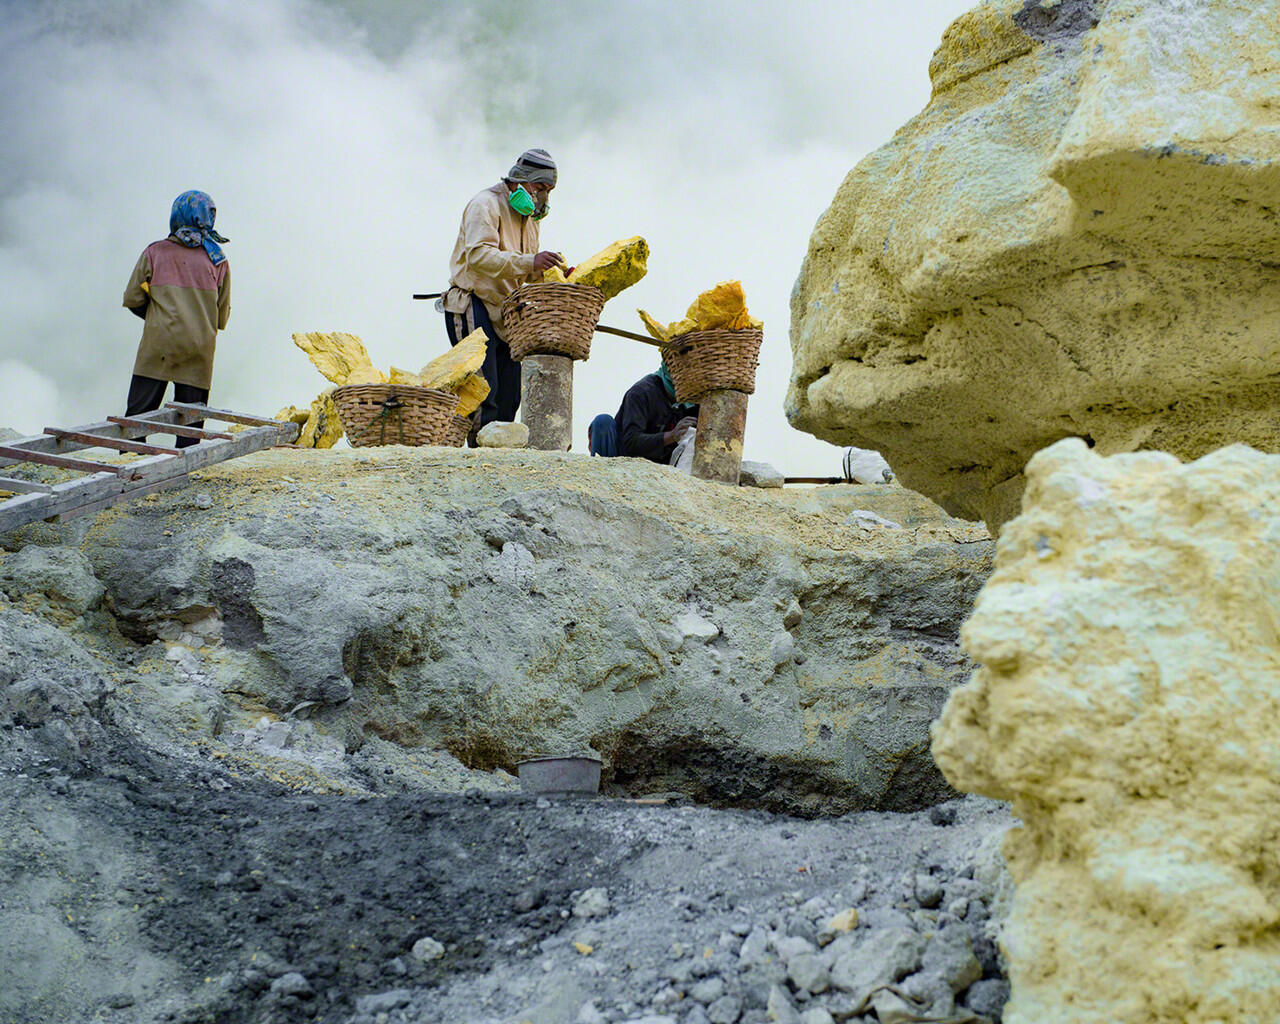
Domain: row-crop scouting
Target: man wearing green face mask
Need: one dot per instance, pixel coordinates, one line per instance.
(496, 252)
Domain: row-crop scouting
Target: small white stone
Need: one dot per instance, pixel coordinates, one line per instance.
(427, 948)
(592, 903)
(503, 435)
(862, 519)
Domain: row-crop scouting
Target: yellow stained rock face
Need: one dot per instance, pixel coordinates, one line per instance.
(323, 426)
(337, 355)
(723, 307)
(1126, 705)
(1075, 237)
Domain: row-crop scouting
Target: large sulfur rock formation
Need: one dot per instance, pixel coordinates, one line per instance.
(1077, 237)
(1128, 707)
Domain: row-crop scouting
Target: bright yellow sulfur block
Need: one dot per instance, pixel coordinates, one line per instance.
(553, 275)
(651, 324)
(323, 427)
(292, 414)
(611, 270)
(471, 392)
(399, 376)
(723, 307)
(337, 355)
(366, 375)
(447, 372)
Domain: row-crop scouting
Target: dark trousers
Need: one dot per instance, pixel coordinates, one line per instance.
(500, 370)
(146, 394)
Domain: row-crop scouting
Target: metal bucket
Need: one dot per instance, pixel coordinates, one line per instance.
(559, 775)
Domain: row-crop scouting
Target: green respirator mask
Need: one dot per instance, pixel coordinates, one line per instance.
(524, 205)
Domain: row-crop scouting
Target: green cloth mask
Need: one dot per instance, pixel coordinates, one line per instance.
(521, 201)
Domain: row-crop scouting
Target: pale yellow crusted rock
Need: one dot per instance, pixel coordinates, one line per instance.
(1127, 706)
(323, 426)
(1076, 237)
(336, 354)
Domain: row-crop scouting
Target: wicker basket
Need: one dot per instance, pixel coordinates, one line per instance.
(552, 319)
(459, 428)
(374, 414)
(703, 361)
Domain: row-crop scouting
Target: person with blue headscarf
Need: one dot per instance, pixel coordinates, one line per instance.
(649, 424)
(181, 288)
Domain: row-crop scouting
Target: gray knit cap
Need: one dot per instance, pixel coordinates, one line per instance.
(533, 165)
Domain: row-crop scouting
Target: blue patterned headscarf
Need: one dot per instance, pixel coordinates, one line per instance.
(191, 224)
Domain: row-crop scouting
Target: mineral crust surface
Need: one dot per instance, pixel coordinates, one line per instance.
(1127, 706)
(1078, 236)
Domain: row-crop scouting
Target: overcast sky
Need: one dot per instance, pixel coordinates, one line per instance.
(341, 139)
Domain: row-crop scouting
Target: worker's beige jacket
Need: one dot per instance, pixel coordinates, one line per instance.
(493, 255)
(188, 302)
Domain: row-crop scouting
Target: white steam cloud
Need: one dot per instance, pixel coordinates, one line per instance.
(340, 141)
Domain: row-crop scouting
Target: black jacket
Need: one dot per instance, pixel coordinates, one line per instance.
(645, 415)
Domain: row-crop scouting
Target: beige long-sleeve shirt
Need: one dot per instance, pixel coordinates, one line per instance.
(190, 303)
(493, 255)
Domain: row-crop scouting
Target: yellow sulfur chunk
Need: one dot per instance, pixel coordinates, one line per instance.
(679, 327)
(447, 372)
(336, 354)
(292, 414)
(655, 328)
(553, 275)
(471, 392)
(723, 307)
(323, 427)
(366, 375)
(399, 376)
(611, 270)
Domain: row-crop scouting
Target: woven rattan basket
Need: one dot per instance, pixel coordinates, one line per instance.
(552, 319)
(374, 414)
(459, 428)
(703, 361)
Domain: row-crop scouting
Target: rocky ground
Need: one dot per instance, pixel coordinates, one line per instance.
(257, 754)
(144, 888)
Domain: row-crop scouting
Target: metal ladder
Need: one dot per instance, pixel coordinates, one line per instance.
(105, 484)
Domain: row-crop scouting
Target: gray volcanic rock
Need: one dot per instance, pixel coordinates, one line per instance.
(735, 645)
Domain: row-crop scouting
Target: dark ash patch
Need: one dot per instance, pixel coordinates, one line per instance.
(233, 581)
(1070, 19)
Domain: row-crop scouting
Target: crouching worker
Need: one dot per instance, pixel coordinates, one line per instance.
(650, 422)
(181, 287)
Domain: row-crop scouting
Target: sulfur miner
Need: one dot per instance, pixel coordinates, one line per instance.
(497, 252)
